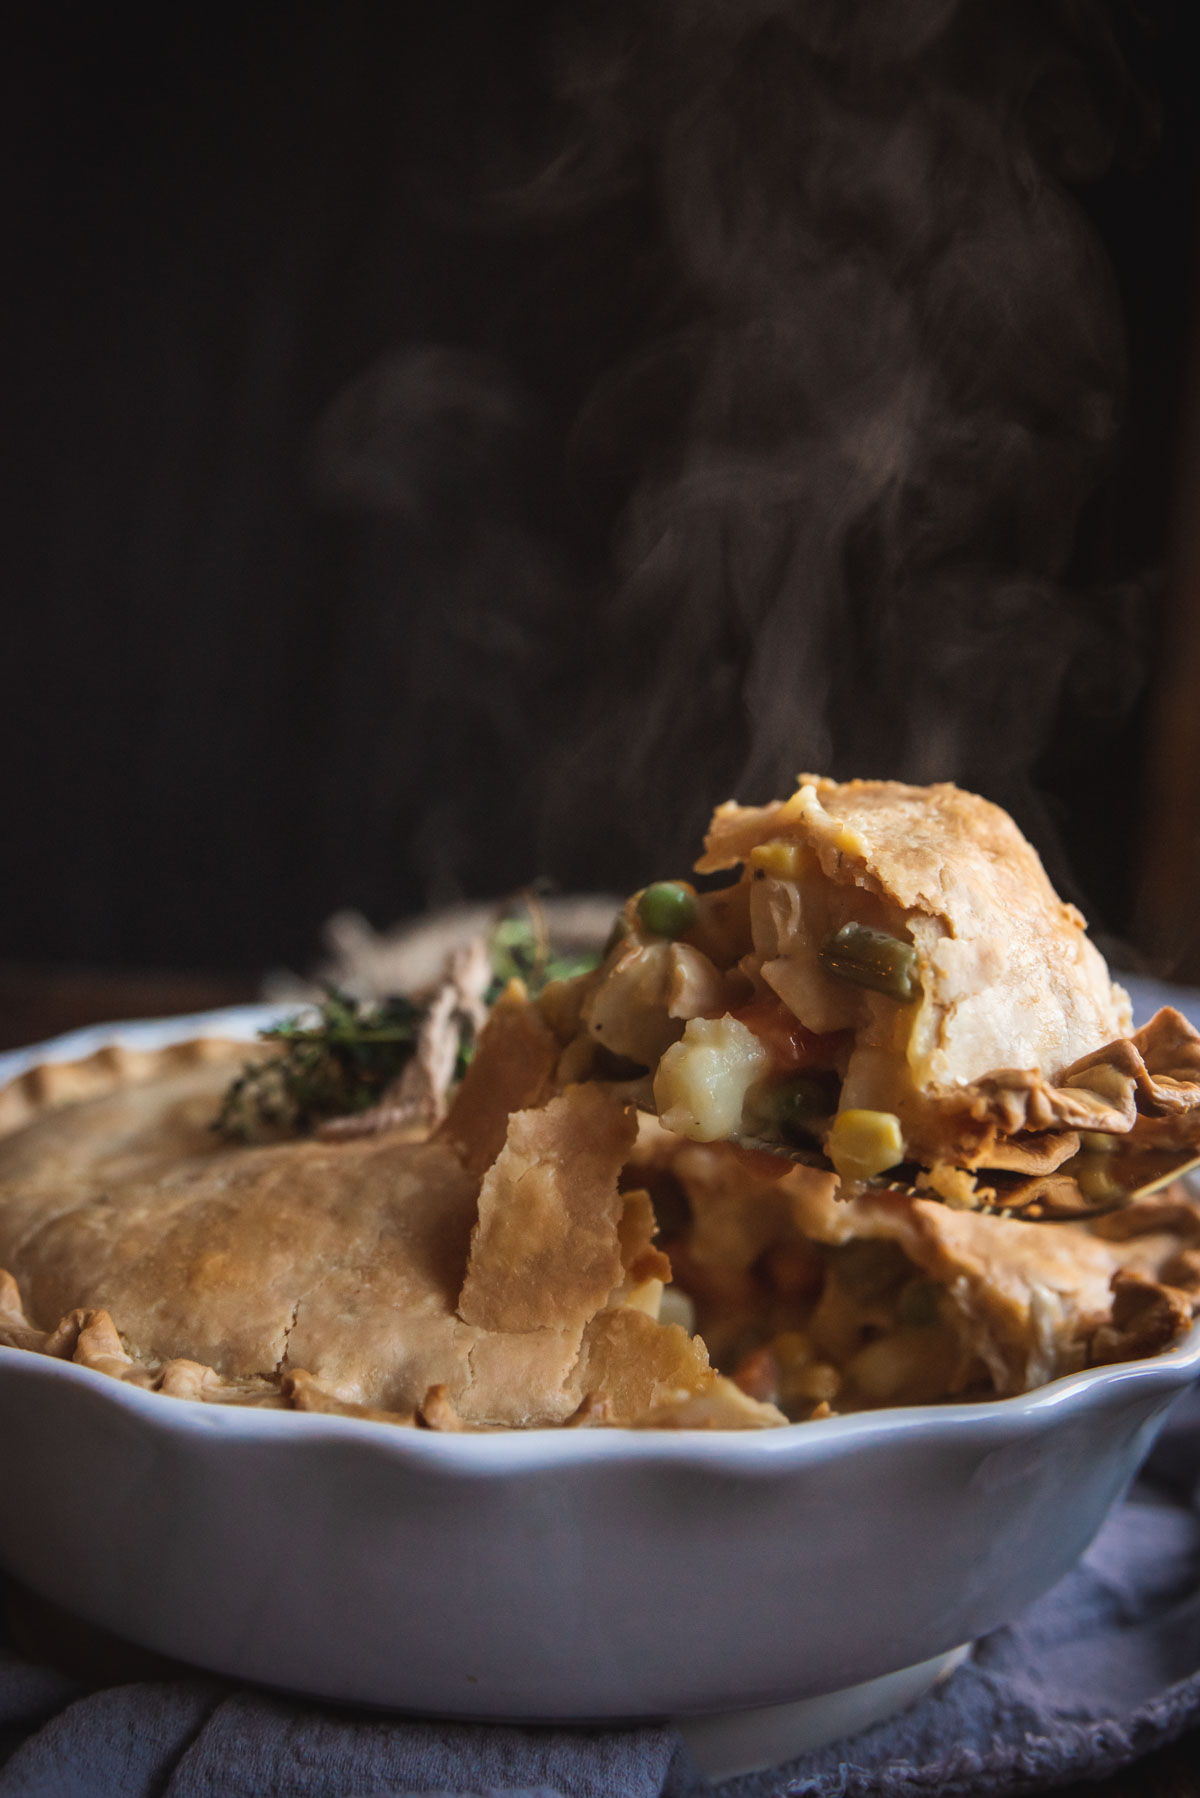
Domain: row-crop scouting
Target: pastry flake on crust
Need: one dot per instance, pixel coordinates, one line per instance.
(546, 1251)
(512, 1070)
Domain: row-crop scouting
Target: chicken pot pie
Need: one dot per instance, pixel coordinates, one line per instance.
(888, 980)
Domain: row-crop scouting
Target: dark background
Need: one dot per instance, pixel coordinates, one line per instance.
(232, 688)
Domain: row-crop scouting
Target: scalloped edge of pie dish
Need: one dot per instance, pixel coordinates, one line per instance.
(527, 1450)
(550, 1575)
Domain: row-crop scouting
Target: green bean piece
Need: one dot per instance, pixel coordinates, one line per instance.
(873, 959)
(667, 908)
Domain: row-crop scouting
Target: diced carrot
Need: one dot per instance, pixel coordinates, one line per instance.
(758, 1376)
(792, 1046)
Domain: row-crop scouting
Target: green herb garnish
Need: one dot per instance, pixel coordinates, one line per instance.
(332, 1065)
(521, 950)
(339, 1058)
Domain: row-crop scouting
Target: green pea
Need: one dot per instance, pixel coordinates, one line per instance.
(667, 908)
(873, 959)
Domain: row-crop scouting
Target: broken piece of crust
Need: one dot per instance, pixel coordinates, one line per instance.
(512, 1070)
(1146, 1085)
(1008, 977)
(650, 1374)
(546, 1250)
(1031, 1301)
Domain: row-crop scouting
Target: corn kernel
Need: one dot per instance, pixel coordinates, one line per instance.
(780, 859)
(820, 1381)
(794, 1350)
(646, 1296)
(861, 1144)
(910, 1367)
(1096, 1182)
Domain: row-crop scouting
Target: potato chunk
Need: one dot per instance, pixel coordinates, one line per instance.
(702, 1080)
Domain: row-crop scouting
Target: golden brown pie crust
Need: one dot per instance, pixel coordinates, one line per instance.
(330, 1275)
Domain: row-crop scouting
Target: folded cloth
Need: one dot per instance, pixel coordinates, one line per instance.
(1101, 1670)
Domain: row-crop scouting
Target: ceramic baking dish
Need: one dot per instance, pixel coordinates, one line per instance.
(558, 1574)
(581, 1574)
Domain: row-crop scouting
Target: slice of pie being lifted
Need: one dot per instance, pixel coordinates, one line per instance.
(890, 980)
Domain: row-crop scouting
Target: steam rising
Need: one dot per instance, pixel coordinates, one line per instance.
(838, 464)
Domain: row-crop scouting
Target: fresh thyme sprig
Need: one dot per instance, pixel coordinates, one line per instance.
(332, 1065)
(340, 1060)
(520, 949)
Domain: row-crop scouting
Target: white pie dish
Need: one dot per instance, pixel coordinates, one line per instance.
(582, 1574)
(558, 1574)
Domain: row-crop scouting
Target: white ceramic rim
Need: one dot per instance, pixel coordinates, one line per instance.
(232, 1023)
(744, 1452)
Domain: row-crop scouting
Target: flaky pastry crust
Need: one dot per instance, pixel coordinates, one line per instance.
(354, 1276)
(1008, 976)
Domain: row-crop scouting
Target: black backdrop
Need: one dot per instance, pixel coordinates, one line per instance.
(215, 221)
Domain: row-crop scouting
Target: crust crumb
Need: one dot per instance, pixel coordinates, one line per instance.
(595, 1412)
(436, 1412)
(186, 1379)
(717, 1405)
(1146, 1318)
(307, 1394)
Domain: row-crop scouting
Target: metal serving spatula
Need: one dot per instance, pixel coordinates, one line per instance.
(1117, 1179)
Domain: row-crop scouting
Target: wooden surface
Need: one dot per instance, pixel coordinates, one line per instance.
(55, 1000)
(1167, 926)
(36, 1003)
